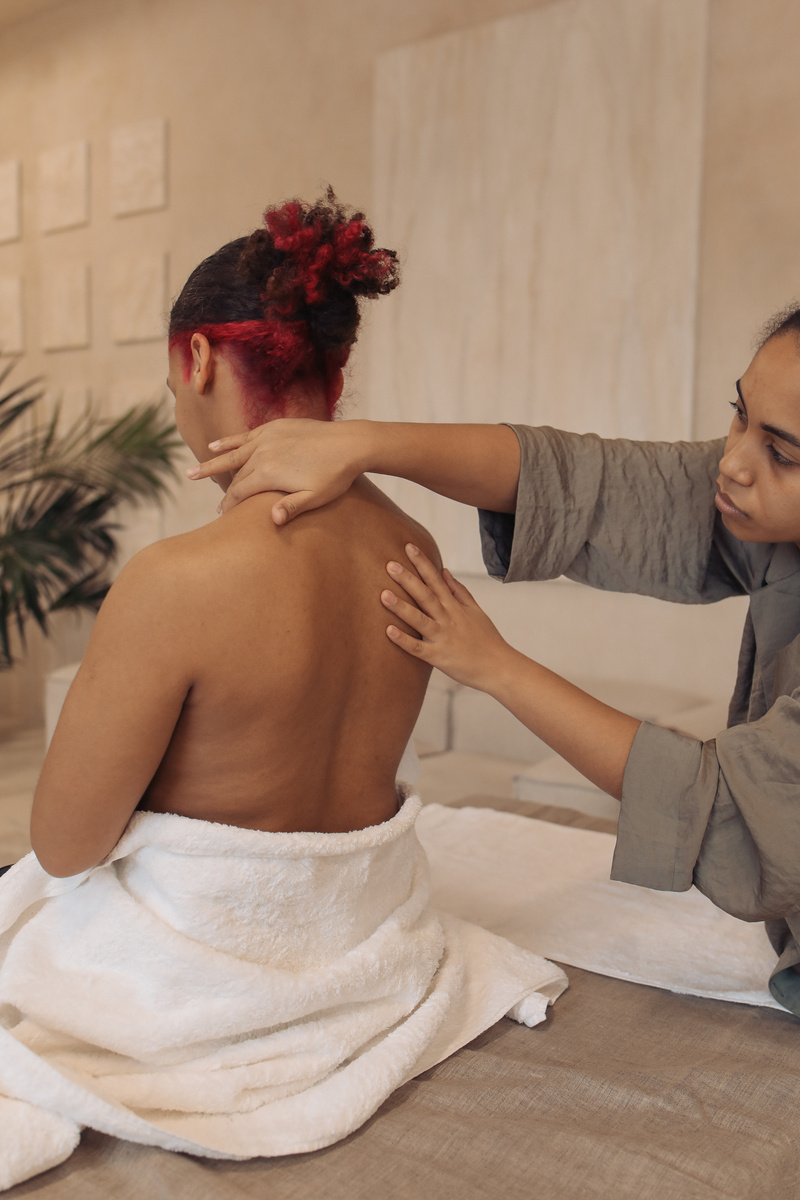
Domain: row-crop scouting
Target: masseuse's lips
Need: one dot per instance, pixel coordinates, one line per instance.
(727, 507)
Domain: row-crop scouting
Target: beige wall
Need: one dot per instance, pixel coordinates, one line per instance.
(267, 98)
(264, 99)
(750, 237)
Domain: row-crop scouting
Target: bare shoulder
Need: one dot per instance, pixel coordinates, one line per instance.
(425, 541)
(163, 582)
(159, 567)
(410, 528)
(211, 564)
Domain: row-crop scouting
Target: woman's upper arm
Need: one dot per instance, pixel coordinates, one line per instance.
(118, 717)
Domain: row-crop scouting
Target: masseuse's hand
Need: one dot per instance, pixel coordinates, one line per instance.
(457, 637)
(455, 633)
(312, 461)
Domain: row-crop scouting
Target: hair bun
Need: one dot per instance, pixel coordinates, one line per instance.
(283, 303)
(313, 258)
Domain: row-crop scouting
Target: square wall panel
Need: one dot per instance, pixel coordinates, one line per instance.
(65, 307)
(10, 220)
(11, 320)
(138, 297)
(64, 186)
(139, 167)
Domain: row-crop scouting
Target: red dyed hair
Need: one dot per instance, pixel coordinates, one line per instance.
(266, 357)
(283, 302)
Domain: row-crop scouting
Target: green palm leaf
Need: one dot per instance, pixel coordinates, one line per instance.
(58, 492)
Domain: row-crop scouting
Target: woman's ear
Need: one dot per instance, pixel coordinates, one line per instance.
(202, 374)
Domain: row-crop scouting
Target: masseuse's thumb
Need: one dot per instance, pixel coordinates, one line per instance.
(293, 504)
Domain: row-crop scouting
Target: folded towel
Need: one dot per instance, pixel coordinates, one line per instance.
(547, 887)
(232, 993)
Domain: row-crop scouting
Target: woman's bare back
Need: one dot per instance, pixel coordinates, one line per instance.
(300, 706)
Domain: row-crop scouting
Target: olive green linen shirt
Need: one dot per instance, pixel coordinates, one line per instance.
(630, 516)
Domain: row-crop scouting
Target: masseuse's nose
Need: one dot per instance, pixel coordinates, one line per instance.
(738, 462)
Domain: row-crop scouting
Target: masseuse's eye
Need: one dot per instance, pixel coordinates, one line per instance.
(779, 458)
(741, 414)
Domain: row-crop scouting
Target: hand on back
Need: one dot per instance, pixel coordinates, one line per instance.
(455, 634)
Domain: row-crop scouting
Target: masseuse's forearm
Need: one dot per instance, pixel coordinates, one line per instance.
(474, 464)
(596, 739)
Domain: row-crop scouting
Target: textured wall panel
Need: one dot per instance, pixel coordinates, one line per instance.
(64, 186)
(138, 297)
(65, 307)
(541, 176)
(11, 326)
(139, 167)
(10, 223)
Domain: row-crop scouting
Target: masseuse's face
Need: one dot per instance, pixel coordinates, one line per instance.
(758, 489)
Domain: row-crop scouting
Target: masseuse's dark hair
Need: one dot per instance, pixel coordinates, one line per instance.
(785, 321)
(283, 303)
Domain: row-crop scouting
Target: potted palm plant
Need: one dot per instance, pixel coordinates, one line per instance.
(59, 489)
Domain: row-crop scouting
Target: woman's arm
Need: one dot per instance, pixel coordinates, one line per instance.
(314, 462)
(457, 637)
(117, 719)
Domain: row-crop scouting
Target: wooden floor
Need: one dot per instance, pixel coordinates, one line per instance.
(21, 756)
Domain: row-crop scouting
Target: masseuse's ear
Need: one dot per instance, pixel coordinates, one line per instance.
(202, 363)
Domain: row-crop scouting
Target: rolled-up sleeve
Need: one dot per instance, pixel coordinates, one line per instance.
(723, 814)
(616, 514)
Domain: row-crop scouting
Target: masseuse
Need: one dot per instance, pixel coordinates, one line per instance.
(687, 522)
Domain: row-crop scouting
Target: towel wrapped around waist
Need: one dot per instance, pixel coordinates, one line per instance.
(233, 993)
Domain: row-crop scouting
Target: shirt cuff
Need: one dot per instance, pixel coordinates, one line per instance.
(497, 531)
(665, 807)
(497, 538)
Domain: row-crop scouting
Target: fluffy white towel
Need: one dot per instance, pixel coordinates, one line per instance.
(234, 993)
(547, 887)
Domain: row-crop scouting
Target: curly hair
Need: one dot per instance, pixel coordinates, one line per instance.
(785, 321)
(283, 303)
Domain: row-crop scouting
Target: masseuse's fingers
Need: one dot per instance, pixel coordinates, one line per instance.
(430, 600)
(408, 643)
(428, 573)
(312, 462)
(245, 483)
(407, 612)
(462, 595)
(454, 633)
(237, 451)
(232, 440)
(289, 507)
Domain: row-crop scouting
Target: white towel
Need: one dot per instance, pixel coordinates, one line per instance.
(547, 887)
(233, 993)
